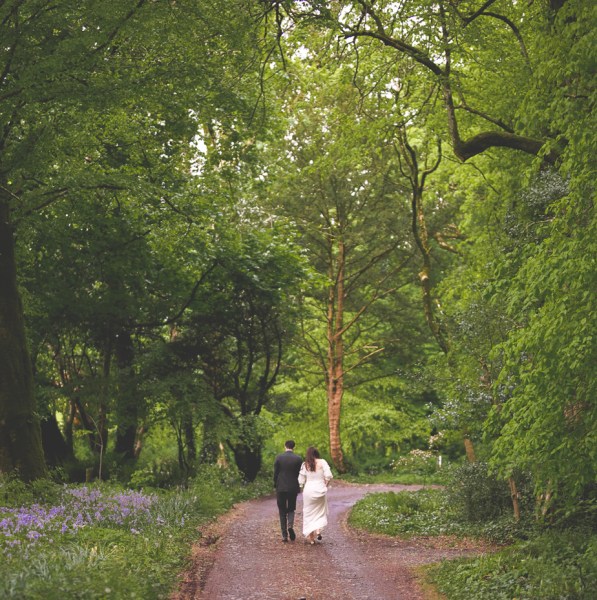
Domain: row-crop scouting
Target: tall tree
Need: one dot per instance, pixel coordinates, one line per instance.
(527, 322)
(239, 326)
(65, 70)
(337, 182)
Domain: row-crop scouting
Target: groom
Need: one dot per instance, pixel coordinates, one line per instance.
(286, 470)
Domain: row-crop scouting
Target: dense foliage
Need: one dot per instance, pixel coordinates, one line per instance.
(365, 225)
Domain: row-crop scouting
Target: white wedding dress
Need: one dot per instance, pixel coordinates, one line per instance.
(315, 502)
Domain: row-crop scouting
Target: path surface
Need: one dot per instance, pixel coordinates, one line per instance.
(242, 556)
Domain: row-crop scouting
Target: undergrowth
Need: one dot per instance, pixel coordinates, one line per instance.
(102, 541)
(554, 560)
(427, 513)
(556, 565)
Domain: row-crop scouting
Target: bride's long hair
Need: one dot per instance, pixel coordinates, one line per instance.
(312, 454)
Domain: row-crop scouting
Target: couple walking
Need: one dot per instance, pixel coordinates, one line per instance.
(313, 476)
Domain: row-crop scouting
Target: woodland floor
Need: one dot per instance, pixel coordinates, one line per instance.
(241, 556)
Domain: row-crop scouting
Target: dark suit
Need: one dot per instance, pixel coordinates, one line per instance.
(286, 470)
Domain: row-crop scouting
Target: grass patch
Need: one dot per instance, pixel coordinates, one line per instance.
(427, 513)
(557, 565)
(550, 564)
(403, 514)
(103, 541)
(437, 478)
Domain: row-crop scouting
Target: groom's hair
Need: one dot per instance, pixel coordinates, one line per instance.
(289, 444)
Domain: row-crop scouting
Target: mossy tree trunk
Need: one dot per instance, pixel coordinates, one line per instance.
(20, 434)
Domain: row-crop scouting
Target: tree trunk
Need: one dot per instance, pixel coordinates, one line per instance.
(87, 422)
(248, 460)
(210, 448)
(126, 397)
(189, 433)
(102, 420)
(419, 228)
(544, 501)
(469, 449)
(56, 450)
(182, 462)
(514, 494)
(141, 431)
(335, 359)
(68, 425)
(417, 178)
(20, 434)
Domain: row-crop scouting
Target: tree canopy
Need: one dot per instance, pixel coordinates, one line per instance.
(360, 222)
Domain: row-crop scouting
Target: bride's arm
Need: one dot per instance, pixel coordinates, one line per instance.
(302, 478)
(327, 472)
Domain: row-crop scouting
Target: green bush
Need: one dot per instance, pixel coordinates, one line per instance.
(432, 512)
(163, 473)
(476, 495)
(14, 492)
(420, 462)
(404, 513)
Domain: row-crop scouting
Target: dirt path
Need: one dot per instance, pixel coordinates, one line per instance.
(242, 556)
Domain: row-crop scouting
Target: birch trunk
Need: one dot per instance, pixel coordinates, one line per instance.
(514, 495)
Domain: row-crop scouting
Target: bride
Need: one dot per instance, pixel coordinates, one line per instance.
(315, 475)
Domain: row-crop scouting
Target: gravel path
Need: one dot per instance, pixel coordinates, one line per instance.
(242, 556)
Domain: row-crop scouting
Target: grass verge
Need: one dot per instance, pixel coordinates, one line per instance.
(546, 564)
(102, 541)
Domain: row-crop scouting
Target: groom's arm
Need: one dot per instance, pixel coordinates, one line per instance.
(276, 471)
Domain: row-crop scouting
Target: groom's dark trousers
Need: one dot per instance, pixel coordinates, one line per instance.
(286, 470)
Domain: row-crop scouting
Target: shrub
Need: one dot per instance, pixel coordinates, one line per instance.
(476, 495)
(404, 513)
(420, 462)
(163, 473)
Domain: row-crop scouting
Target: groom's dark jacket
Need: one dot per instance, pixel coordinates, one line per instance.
(286, 470)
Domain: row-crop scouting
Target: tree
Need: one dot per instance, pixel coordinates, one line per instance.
(516, 77)
(450, 44)
(530, 255)
(238, 327)
(20, 446)
(337, 181)
(66, 71)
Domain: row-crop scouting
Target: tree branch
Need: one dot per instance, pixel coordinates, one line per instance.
(175, 317)
(473, 111)
(476, 14)
(516, 33)
(498, 139)
(115, 31)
